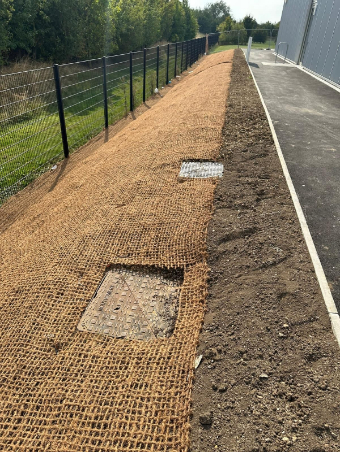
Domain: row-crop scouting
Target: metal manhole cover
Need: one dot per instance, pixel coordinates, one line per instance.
(201, 170)
(134, 303)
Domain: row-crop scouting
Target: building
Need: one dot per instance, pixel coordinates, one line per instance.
(309, 35)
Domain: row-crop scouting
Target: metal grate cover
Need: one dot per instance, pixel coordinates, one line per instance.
(134, 303)
(201, 170)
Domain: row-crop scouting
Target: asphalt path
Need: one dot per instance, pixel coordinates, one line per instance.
(306, 116)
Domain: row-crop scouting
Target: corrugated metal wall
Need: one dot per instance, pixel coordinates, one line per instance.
(322, 50)
(292, 27)
(313, 35)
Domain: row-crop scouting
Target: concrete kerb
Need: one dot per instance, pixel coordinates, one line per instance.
(326, 293)
(311, 73)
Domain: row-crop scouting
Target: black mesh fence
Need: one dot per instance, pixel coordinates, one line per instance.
(118, 86)
(151, 71)
(29, 127)
(47, 113)
(82, 95)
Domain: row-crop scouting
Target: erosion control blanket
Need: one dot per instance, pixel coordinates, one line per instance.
(66, 390)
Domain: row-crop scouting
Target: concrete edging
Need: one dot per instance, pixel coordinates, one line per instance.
(327, 295)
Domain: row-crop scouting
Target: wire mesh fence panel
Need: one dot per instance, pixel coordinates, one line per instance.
(163, 54)
(192, 53)
(118, 86)
(172, 58)
(213, 39)
(262, 38)
(29, 127)
(151, 71)
(137, 73)
(274, 38)
(45, 112)
(187, 54)
(82, 93)
(180, 56)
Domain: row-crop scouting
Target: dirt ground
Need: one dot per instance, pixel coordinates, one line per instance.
(269, 379)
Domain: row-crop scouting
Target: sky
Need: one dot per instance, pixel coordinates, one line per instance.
(262, 10)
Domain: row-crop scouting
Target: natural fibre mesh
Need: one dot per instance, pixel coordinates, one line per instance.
(65, 390)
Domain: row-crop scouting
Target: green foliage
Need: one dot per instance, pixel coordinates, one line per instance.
(260, 35)
(191, 22)
(152, 22)
(249, 23)
(210, 17)
(6, 9)
(234, 33)
(69, 30)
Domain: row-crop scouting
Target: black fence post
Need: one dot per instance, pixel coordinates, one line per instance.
(61, 109)
(167, 65)
(157, 81)
(182, 56)
(106, 110)
(176, 61)
(144, 75)
(131, 83)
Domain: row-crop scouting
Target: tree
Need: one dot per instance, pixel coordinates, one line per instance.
(232, 32)
(227, 25)
(130, 25)
(178, 23)
(23, 26)
(6, 10)
(167, 19)
(191, 22)
(152, 22)
(260, 35)
(212, 16)
(249, 24)
(68, 30)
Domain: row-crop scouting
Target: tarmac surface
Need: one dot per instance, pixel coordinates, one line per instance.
(305, 113)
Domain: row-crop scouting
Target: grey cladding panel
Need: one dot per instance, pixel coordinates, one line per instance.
(292, 27)
(322, 51)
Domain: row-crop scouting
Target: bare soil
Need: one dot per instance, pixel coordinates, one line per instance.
(269, 379)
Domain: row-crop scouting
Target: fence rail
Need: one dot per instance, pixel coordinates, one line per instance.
(47, 113)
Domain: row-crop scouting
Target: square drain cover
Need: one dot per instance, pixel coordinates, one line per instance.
(134, 303)
(201, 170)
